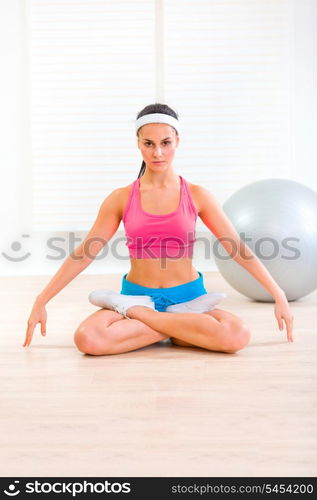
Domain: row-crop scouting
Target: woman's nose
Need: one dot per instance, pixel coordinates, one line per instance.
(157, 152)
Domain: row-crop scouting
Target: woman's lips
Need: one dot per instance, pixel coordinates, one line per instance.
(158, 161)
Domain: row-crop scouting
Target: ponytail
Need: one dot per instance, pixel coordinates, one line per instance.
(142, 169)
(155, 108)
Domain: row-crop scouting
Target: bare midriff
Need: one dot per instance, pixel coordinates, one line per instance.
(162, 273)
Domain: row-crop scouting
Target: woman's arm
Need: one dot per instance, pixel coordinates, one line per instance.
(213, 216)
(105, 226)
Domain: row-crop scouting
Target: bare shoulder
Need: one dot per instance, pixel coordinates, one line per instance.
(121, 197)
(200, 196)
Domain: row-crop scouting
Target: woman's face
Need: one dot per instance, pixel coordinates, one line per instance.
(157, 142)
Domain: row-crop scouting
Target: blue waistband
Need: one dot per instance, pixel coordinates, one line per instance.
(168, 295)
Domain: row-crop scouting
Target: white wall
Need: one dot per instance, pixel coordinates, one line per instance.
(15, 186)
(304, 103)
(13, 126)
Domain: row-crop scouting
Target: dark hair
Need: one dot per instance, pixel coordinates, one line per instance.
(155, 108)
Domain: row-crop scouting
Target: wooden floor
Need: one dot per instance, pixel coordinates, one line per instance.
(163, 410)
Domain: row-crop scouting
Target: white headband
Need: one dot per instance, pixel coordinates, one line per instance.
(157, 118)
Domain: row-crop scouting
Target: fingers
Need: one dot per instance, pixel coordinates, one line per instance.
(43, 328)
(289, 329)
(29, 335)
(30, 330)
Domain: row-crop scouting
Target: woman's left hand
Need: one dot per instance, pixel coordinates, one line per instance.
(283, 313)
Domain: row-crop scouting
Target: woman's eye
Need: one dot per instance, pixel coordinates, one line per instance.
(165, 142)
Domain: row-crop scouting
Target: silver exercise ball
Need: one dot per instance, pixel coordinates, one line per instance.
(277, 219)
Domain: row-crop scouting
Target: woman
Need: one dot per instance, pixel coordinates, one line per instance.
(162, 296)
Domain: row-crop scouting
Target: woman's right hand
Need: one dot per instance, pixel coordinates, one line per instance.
(38, 315)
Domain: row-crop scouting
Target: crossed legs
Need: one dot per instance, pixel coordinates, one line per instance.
(107, 332)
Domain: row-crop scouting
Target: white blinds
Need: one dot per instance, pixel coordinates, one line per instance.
(224, 66)
(92, 69)
(227, 68)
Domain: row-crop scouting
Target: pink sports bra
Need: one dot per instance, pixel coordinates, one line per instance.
(151, 236)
